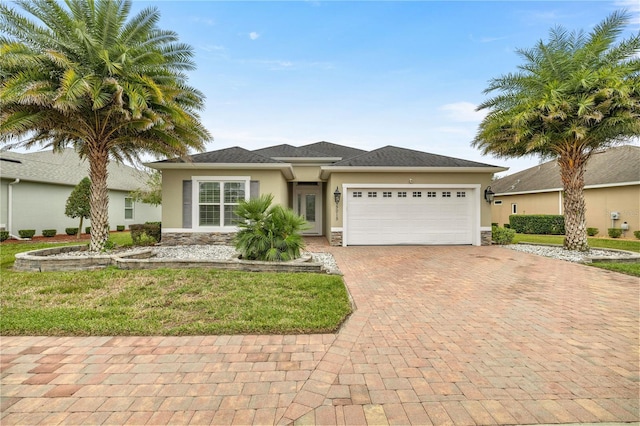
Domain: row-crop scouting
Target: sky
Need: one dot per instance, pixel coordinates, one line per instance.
(364, 74)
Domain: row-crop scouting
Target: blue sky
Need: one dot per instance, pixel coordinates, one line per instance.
(365, 73)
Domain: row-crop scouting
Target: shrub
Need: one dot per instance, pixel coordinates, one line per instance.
(614, 232)
(507, 225)
(494, 224)
(26, 233)
(537, 224)
(636, 234)
(4, 235)
(120, 228)
(49, 232)
(271, 233)
(592, 232)
(154, 229)
(87, 230)
(143, 235)
(71, 231)
(502, 236)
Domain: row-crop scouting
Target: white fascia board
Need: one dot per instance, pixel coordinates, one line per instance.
(285, 168)
(327, 170)
(540, 191)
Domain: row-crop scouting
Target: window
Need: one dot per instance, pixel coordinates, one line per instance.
(431, 194)
(417, 194)
(386, 194)
(461, 194)
(372, 194)
(357, 194)
(402, 194)
(514, 209)
(446, 194)
(217, 202)
(497, 203)
(128, 208)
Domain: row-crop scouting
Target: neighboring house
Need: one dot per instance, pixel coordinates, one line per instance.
(387, 196)
(612, 187)
(34, 188)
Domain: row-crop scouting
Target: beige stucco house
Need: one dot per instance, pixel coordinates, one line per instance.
(612, 191)
(387, 196)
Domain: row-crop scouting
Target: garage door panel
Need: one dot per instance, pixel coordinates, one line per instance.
(412, 219)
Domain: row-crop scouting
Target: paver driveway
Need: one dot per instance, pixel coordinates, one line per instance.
(442, 335)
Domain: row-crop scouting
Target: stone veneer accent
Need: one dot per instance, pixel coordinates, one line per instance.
(336, 238)
(197, 238)
(485, 238)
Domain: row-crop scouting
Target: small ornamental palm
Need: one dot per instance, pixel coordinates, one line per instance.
(270, 233)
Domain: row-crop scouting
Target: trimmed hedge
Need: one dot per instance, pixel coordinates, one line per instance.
(614, 232)
(4, 235)
(49, 233)
(636, 234)
(544, 224)
(71, 231)
(592, 232)
(502, 236)
(120, 228)
(26, 233)
(87, 230)
(145, 234)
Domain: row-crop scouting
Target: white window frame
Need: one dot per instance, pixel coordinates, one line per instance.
(132, 208)
(514, 208)
(195, 200)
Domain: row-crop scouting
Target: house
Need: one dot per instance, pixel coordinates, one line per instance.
(386, 196)
(612, 191)
(34, 188)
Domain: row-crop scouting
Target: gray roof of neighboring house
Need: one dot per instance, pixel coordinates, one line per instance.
(65, 168)
(334, 150)
(613, 166)
(235, 155)
(392, 156)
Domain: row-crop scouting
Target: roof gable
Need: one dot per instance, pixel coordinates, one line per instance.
(234, 155)
(335, 150)
(392, 156)
(613, 166)
(289, 151)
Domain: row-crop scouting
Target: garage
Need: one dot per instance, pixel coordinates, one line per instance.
(412, 215)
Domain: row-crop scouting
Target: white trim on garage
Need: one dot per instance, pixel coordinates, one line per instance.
(474, 203)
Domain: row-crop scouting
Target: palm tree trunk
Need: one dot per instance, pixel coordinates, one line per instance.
(99, 201)
(572, 168)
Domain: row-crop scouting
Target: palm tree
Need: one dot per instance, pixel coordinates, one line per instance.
(82, 74)
(271, 233)
(574, 95)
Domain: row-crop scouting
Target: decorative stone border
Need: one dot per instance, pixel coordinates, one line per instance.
(628, 257)
(42, 261)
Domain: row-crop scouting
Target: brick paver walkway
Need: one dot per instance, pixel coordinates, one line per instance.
(441, 335)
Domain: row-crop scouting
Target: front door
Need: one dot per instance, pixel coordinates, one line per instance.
(307, 202)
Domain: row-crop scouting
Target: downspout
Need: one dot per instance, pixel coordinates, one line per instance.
(10, 210)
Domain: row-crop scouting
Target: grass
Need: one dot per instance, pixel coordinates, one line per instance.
(166, 301)
(625, 268)
(594, 242)
(605, 243)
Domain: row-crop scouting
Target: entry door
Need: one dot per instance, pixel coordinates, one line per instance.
(307, 202)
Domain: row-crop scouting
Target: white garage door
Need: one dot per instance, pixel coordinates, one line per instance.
(387, 216)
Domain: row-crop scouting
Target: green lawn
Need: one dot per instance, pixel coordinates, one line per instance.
(619, 244)
(610, 243)
(166, 301)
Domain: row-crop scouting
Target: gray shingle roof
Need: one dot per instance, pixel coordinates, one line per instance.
(615, 165)
(392, 156)
(65, 168)
(234, 155)
(334, 150)
(289, 151)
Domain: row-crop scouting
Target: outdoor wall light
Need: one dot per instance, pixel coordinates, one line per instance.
(336, 198)
(488, 195)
